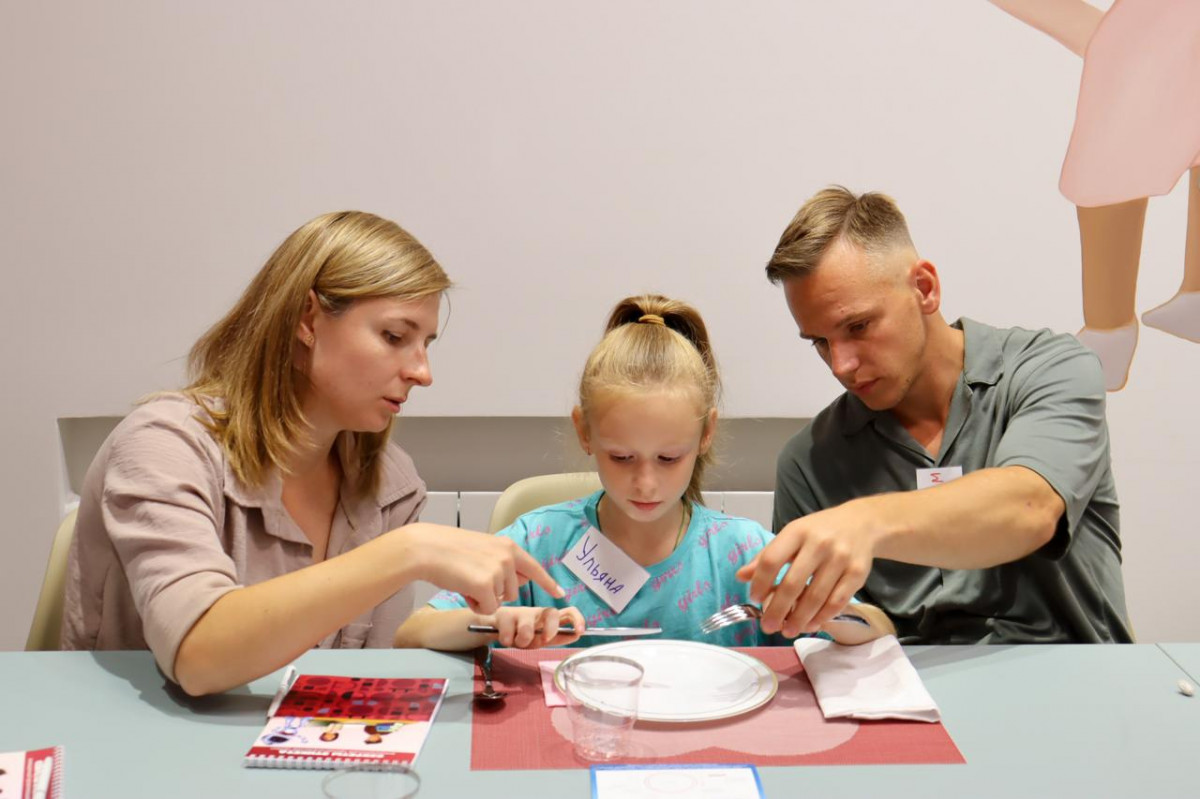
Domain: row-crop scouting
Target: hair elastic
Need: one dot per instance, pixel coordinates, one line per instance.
(652, 319)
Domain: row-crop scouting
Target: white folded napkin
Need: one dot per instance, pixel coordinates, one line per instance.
(874, 680)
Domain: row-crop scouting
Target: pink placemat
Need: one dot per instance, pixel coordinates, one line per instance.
(523, 733)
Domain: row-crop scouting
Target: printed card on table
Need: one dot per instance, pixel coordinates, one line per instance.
(36, 774)
(633, 782)
(335, 722)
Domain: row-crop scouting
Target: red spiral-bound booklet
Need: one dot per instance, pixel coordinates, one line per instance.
(36, 774)
(327, 722)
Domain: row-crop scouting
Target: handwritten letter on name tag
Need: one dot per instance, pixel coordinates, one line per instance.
(607, 571)
(928, 478)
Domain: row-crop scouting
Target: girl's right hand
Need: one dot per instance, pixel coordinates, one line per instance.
(486, 569)
(531, 628)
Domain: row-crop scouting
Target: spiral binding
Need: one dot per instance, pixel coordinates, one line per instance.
(315, 763)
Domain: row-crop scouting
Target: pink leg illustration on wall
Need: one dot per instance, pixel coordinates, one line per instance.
(1137, 130)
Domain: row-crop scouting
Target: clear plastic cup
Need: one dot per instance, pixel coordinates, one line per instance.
(394, 782)
(602, 701)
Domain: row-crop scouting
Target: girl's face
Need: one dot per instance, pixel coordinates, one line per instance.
(365, 360)
(646, 445)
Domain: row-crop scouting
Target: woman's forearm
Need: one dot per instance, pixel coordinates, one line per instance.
(254, 630)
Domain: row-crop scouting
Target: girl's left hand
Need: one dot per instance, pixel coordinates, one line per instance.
(531, 628)
(851, 633)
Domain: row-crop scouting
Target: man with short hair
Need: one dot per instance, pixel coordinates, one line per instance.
(962, 482)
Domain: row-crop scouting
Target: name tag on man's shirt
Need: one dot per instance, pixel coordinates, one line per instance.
(928, 478)
(605, 569)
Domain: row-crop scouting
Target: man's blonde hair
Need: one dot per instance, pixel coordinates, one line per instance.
(652, 343)
(870, 221)
(243, 370)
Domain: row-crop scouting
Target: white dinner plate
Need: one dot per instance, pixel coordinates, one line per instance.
(689, 681)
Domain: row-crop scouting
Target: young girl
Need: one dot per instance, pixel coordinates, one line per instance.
(647, 412)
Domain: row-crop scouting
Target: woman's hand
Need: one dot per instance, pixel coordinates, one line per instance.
(486, 569)
(531, 628)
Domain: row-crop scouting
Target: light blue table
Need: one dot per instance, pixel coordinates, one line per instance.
(1035, 721)
(1187, 657)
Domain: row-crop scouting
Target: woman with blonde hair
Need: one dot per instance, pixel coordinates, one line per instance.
(264, 509)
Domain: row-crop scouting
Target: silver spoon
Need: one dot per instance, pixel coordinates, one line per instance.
(489, 696)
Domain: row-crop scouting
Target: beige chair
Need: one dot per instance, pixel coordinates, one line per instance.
(535, 492)
(45, 632)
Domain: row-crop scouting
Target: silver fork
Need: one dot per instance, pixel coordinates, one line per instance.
(736, 614)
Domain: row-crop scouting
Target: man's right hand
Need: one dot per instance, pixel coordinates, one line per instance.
(828, 555)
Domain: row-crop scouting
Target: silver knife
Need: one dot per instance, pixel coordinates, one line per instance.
(602, 631)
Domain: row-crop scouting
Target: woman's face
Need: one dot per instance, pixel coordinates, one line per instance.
(365, 360)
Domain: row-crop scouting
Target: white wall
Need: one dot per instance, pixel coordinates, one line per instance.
(555, 156)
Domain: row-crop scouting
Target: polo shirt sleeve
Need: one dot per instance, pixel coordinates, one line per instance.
(1056, 427)
(162, 505)
(793, 495)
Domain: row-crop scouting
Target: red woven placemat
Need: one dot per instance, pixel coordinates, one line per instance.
(523, 733)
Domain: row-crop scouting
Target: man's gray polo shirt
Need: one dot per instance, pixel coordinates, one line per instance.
(1025, 398)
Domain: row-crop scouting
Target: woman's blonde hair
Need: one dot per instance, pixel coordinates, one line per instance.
(243, 370)
(654, 343)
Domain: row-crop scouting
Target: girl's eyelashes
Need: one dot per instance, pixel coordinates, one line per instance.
(393, 338)
(667, 459)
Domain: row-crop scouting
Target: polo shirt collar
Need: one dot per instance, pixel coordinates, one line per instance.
(856, 415)
(983, 361)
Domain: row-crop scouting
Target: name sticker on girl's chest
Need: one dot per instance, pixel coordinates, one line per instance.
(605, 569)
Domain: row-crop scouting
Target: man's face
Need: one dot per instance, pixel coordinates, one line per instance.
(864, 317)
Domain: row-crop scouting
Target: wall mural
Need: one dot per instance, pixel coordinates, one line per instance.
(1137, 131)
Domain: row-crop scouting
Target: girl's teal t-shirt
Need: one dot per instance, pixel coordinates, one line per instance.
(690, 585)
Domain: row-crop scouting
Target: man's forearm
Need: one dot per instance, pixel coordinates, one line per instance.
(980, 520)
